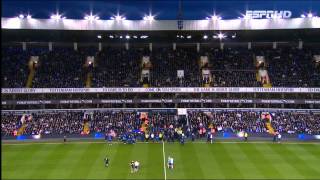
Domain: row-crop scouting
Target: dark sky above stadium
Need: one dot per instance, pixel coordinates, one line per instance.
(163, 9)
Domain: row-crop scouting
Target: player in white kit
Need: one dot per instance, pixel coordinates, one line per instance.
(170, 162)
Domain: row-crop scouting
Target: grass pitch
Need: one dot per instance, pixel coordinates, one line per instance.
(221, 160)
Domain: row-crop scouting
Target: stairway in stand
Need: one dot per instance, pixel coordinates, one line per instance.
(21, 129)
(86, 128)
(30, 78)
(89, 80)
(268, 85)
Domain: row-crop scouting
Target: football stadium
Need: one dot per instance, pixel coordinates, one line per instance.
(146, 89)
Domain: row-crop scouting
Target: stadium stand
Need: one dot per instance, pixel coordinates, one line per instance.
(64, 68)
(125, 122)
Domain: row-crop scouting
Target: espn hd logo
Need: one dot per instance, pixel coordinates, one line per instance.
(268, 14)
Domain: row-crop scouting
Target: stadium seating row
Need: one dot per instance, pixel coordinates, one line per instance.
(64, 68)
(123, 122)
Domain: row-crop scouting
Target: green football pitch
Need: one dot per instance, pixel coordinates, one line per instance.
(221, 160)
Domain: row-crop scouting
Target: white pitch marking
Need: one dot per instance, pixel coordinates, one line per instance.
(164, 162)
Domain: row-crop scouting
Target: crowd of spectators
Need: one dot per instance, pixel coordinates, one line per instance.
(282, 122)
(166, 63)
(196, 123)
(234, 78)
(118, 67)
(232, 68)
(291, 67)
(61, 68)
(14, 67)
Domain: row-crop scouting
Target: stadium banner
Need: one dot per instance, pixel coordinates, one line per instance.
(156, 101)
(159, 90)
(156, 110)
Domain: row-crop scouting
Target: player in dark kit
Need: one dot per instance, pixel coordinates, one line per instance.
(106, 162)
(182, 139)
(64, 139)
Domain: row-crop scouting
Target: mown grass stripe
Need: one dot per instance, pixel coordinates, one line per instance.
(77, 163)
(100, 171)
(172, 150)
(48, 160)
(262, 163)
(63, 167)
(307, 159)
(138, 153)
(243, 162)
(213, 161)
(154, 161)
(191, 164)
(229, 169)
(307, 152)
(84, 161)
(17, 161)
(120, 162)
(94, 154)
(293, 160)
(211, 169)
(279, 162)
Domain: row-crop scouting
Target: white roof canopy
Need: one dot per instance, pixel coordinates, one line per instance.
(160, 25)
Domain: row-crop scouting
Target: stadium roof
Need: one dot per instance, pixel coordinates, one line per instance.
(160, 25)
(293, 36)
(237, 30)
(162, 9)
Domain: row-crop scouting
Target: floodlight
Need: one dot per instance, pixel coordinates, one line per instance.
(57, 16)
(29, 16)
(91, 17)
(117, 18)
(148, 18)
(246, 17)
(214, 17)
(205, 37)
(21, 16)
(221, 36)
